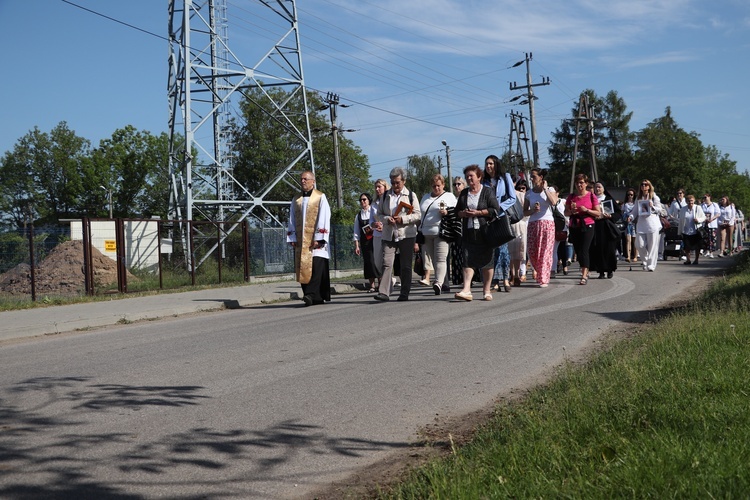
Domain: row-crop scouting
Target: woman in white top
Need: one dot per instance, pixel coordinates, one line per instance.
(647, 225)
(541, 226)
(712, 211)
(517, 246)
(726, 226)
(690, 219)
(435, 249)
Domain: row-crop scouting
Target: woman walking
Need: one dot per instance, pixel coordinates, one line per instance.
(582, 207)
(476, 206)
(631, 255)
(606, 237)
(541, 226)
(434, 206)
(363, 236)
(647, 225)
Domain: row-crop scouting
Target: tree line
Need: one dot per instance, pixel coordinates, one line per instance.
(663, 152)
(55, 175)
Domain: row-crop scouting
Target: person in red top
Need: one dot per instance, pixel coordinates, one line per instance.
(582, 207)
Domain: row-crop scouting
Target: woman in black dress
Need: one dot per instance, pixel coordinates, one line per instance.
(363, 238)
(606, 235)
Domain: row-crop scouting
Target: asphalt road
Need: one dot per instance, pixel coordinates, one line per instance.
(277, 401)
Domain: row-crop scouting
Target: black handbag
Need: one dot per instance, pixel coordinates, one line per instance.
(498, 231)
(418, 263)
(450, 226)
(558, 217)
(420, 238)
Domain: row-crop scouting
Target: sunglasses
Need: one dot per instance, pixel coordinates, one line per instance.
(457, 184)
(644, 184)
(363, 199)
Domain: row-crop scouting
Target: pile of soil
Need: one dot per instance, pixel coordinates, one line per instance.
(61, 273)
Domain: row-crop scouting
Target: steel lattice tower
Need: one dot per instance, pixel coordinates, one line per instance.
(205, 78)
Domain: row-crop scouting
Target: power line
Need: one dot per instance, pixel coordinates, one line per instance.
(115, 20)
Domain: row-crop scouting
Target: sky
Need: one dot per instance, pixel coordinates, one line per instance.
(412, 74)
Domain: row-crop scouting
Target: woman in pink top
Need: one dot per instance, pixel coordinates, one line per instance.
(582, 207)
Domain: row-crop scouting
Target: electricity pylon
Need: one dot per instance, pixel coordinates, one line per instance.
(206, 78)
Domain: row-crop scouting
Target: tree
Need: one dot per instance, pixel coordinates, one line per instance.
(615, 150)
(668, 156)
(612, 138)
(133, 164)
(44, 175)
(420, 170)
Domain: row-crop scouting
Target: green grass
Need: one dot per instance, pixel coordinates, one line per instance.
(664, 414)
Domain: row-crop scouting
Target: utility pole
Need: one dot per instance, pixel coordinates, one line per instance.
(585, 114)
(332, 101)
(448, 166)
(530, 98)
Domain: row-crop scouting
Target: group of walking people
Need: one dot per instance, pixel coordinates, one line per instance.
(599, 231)
(450, 231)
(395, 224)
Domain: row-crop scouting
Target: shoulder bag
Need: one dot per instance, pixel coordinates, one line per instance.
(498, 231)
(450, 226)
(420, 237)
(558, 217)
(515, 211)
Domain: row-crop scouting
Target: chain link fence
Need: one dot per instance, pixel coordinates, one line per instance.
(135, 255)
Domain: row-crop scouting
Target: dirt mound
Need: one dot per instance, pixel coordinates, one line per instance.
(61, 273)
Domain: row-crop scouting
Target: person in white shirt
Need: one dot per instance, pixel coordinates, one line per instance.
(647, 225)
(673, 213)
(726, 226)
(690, 222)
(712, 211)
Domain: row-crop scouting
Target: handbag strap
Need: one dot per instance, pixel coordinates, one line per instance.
(428, 209)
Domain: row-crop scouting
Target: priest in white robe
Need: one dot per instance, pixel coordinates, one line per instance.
(308, 232)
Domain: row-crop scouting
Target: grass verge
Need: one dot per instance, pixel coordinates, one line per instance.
(665, 414)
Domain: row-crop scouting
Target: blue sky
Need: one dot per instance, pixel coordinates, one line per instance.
(413, 73)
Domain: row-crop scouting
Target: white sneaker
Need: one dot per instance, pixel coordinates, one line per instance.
(683, 258)
(710, 256)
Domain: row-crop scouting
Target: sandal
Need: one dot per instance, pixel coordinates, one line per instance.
(583, 281)
(371, 290)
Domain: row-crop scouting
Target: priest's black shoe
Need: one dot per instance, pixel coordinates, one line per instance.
(403, 298)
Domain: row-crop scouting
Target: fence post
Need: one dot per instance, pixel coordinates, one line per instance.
(158, 253)
(334, 247)
(122, 278)
(33, 264)
(192, 252)
(88, 272)
(246, 249)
